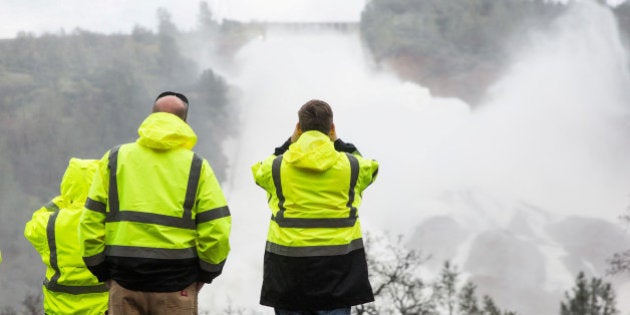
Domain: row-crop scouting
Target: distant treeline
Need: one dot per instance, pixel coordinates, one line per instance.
(622, 13)
(457, 48)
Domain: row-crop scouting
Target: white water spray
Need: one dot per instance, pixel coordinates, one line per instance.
(551, 134)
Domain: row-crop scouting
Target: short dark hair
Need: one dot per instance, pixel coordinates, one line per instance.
(315, 115)
(178, 95)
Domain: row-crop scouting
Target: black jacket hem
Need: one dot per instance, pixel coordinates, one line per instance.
(315, 283)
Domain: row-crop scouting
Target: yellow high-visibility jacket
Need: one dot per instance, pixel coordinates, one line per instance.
(156, 218)
(69, 287)
(314, 257)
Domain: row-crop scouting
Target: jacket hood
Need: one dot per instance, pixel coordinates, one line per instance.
(165, 131)
(313, 150)
(76, 182)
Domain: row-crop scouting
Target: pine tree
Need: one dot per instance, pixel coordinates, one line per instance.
(399, 289)
(489, 308)
(447, 287)
(594, 298)
(468, 300)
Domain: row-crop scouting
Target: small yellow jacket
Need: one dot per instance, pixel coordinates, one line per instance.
(69, 287)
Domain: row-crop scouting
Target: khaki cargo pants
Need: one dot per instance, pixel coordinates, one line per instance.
(126, 302)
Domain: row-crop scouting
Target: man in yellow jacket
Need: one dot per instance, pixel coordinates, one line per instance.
(69, 287)
(156, 224)
(314, 258)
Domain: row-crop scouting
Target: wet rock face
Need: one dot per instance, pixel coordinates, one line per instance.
(588, 243)
(440, 237)
(499, 254)
(533, 255)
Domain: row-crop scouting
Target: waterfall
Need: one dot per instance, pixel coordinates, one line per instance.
(552, 133)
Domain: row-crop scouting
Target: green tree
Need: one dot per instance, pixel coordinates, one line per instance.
(78, 94)
(620, 262)
(622, 14)
(399, 289)
(446, 287)
(456, 48)
(489, 307)
(206, 19)
(172, 65)
(468, 300)
(589, 298)
(397, 286)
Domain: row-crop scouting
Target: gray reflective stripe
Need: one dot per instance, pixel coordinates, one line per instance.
(275, 173)
(53, 284)
(354, 176)
(52, 247)
(114, 203)
(193, 183)
(71, 289)
(310, 251)
(149, 252)
(185, 222)
(284, 222)
(213, 214)
(51, 206)
(206, 266)
(315, 223)
(95, 206)
(94, 260)
(150, 218)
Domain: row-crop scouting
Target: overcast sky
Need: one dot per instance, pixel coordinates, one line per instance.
(110, 16)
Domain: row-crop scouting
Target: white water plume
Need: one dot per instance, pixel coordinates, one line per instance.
(553, 131)
(551, 134)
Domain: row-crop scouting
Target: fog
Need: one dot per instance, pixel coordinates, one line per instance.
(551, 134)
(552, 131)
(120, 16)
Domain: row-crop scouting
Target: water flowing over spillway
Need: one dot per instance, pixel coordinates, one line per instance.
(549, 142)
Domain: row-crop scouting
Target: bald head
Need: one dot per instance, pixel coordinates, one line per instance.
(171, 104)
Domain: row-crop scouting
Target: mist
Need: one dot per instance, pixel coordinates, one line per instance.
(118, 16)
(550, 135)
(552, 131)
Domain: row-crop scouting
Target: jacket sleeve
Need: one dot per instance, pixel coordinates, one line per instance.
(262, 173)
(213, 225)
(35, 230)
(346, 147)
(368, 168)
(262, 170)
(283, 148)
(368, 171)
(92, 223)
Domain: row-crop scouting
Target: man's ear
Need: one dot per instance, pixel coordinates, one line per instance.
(332, 133)
(296, 132)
